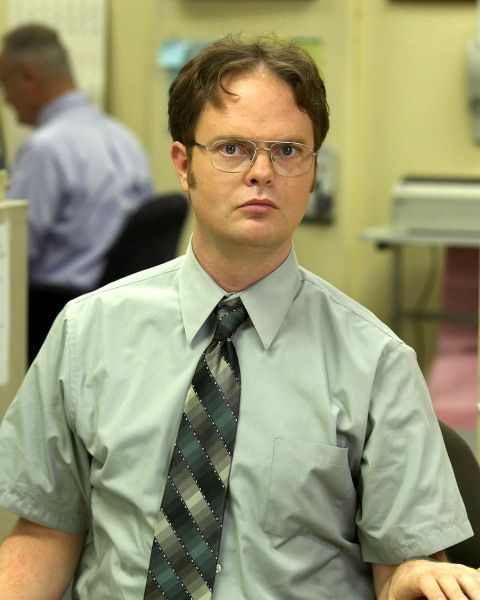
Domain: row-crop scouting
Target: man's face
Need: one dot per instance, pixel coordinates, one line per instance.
(256, 208)
(17, 92)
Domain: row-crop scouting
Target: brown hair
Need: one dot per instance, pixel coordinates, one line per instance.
(202, 79)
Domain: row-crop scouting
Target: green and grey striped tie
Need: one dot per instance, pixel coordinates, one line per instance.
(187, 534)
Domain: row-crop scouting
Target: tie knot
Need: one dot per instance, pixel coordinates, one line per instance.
(230, 315)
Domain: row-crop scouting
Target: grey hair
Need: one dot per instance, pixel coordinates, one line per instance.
(38, 45)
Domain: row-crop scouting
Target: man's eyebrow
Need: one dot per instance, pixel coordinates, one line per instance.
(229, 137)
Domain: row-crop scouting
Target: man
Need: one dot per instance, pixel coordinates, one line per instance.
(339, 473)
(82, 172)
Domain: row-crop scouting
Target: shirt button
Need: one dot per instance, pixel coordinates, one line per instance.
(218, 568)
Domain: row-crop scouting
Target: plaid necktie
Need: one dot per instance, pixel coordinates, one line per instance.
(187, 534)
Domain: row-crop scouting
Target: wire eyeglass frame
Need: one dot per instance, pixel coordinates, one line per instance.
(246, 161)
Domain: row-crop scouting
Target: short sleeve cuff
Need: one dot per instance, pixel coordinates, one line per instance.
(70, 521)
(400, 545)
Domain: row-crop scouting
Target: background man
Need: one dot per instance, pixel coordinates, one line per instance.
(82, 172)
(339, 472)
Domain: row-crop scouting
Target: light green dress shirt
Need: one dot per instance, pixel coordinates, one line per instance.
(338, 460)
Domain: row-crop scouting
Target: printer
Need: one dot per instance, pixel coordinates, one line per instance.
(430, 206)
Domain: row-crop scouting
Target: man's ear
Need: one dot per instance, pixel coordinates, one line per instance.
(314, 181)
(180, 162)
(31, 76)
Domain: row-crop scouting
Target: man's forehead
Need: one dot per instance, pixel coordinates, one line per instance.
(220, 110)
(228, 94)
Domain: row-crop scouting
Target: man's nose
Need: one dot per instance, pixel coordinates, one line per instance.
(261, 170)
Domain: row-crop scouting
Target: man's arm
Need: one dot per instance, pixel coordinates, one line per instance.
(415, 579)
(35, 178)
(37, 563)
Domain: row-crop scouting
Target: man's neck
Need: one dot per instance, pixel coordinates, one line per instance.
(52, 92)
(235, 269)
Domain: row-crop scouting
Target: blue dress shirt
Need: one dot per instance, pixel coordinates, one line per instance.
(83, 173)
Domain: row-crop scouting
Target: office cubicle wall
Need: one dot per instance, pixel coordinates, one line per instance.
(13, 309)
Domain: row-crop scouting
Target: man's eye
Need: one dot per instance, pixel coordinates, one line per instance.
(285, 151)
(232, 148)
(288, 150)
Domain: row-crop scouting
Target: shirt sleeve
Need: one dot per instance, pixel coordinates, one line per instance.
(410, 503)
(36, 178)
(44, 474)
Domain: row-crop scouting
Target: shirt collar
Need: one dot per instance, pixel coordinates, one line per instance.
(267, 301)
(61, 103)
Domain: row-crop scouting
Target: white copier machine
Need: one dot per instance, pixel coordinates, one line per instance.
(430, 206)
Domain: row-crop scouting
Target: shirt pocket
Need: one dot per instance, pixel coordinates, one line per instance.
(310, 491)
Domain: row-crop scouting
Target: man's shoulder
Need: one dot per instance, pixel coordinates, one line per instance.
(68, 136)
(147, 287)
(332, 301)
(77, 123)
(135, 312)
(72, 121)
(46, 138)
(157, 276)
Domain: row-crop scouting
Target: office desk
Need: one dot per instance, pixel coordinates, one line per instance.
(396, 240)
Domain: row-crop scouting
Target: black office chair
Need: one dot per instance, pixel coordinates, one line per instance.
(150, 237)
(467, 473)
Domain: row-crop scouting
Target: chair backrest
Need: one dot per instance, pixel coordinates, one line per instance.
(467, 473)
(149, 238)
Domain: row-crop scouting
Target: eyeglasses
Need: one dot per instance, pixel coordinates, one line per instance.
(289, 159)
